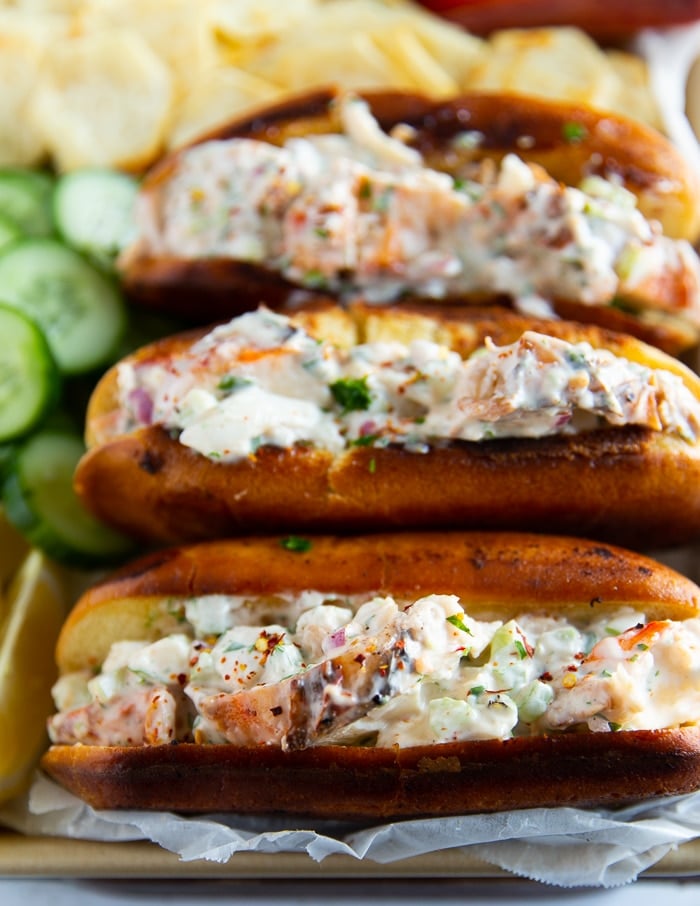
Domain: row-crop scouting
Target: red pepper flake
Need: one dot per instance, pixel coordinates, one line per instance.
(360, 659)
(546, 677)
(182, 678)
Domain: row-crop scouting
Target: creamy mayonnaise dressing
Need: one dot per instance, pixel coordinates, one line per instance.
(359, 213)
(457, 678)
(259, 380)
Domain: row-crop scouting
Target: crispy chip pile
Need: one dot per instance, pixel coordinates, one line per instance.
(117, 82)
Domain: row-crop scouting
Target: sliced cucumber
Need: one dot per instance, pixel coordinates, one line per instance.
(9, 231)
(94, 211)
(26, 197)
(80, 310)
(29, 378)
(7, 454)
(40, 502)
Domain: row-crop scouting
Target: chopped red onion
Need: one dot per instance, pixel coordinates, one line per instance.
(141, 405)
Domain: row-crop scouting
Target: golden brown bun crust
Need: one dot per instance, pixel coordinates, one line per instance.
(357, 783)
(630, 486)
(497, 575)
(630, 153)
(627, 485)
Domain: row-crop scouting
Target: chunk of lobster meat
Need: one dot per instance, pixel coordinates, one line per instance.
(298, 711)
(144, 717)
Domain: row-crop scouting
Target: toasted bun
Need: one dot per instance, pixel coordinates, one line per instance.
(631, 154)
(497, 576)
(500, 575)
(629, 485)
(344, 783)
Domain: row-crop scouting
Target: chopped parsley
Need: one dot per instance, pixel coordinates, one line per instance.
(458, 621)
(296, 544)
(366, 440)
(315, 279)
(381, 202)
(476, 690)
(372, 467)
(352, 394)
(576, 357)
(573, 132)
(520, 648)
(232, 382)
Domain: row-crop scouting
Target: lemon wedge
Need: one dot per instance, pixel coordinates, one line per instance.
(13, 547)
(35, 607)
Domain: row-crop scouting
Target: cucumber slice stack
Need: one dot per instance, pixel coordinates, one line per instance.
(62, 320)
(93, 211)
(39, 500)
(80, 310)
(29, 376)
(26, 199)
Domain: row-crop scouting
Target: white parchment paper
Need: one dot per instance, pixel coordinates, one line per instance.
(566, 847)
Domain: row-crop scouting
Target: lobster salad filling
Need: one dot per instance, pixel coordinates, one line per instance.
(260, 380)
(359, 214)
(380, 672)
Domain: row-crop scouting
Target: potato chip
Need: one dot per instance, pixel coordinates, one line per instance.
(23, 41)
(350, 60)
(216, 96)
(404, 48)
(363, 44)
(454, 49)
(176, 30)
(561, 63)
(244, 22)
(64, 7)
(102, 99)
(632, 94)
